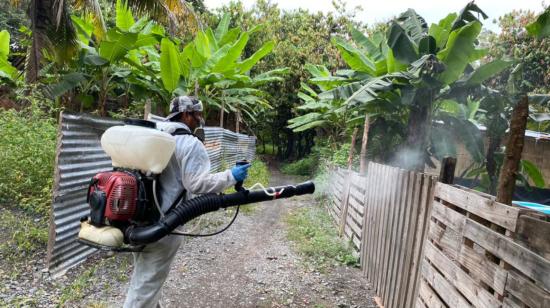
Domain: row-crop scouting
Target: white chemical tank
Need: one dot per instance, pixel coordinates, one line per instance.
(138, 145)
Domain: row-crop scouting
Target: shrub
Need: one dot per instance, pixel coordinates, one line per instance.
(322, 154)
(27, 150)
(270, 149)
(305, 166)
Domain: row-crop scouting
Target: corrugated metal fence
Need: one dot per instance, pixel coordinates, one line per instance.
(385, 214)
(79, 156)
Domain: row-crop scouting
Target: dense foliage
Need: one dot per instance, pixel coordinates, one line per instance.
(123, 65)
(300, 37)
(404, 79)
(27, 148)
(514, 42)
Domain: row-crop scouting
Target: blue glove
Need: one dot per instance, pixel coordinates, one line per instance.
(240, 172)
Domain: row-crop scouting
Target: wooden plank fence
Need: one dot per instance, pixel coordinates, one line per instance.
(385, 216)
(481, 253)
(429, 245)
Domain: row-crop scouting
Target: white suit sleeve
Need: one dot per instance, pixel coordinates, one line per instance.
(195, 170)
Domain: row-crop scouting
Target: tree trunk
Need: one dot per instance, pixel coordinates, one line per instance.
(103, 94)
(364, 141)
(222, 113)
(491, 166)
(274, 139)
(514, 147)
(147, 109)
(40, 15)
(237, 120)
(299, 146)
(352, 147)
(447, 172)
(418, 130)
(310, 141)
(290, 143)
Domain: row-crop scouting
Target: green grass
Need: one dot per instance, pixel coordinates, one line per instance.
(23, 236)
(315, 237)
(79, 289)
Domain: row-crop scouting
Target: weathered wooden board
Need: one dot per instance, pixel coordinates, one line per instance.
(447, 239)
(465, 284)
(429, 297)
(403, 218)
(529, 263)
(535, 234)
(443, 287)
(497, 213)
(488, 265)
(415, 186)
(427, 195)
(526, 291)
(482, 268)
(449, 217)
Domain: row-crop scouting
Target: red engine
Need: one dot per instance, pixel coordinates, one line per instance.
(113, 196)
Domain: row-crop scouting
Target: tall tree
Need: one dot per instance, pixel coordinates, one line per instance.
(519, 87)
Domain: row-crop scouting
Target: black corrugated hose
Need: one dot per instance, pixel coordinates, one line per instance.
(193, 208)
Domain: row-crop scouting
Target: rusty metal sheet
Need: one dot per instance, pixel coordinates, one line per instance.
(79, 157)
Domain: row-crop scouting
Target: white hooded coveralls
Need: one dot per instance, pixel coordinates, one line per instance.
(189, 169)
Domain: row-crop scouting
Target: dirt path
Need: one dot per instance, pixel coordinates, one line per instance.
(253, 265)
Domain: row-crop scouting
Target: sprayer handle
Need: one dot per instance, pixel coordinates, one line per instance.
(239, 184)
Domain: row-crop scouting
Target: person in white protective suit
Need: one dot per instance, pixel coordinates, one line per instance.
(189, 170)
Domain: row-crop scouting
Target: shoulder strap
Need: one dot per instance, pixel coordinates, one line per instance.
(181, 131)
(178, 200)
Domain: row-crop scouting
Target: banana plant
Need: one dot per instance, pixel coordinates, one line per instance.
(422, 66)
(138, 59)
(211, 66)
(7, 71)
(327, 109)
(108, 66)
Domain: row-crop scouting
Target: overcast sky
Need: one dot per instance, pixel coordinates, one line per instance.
(382, 10)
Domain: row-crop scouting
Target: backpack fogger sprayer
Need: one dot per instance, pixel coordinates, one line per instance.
(124, 206)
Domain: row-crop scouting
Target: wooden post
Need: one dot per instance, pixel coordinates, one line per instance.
(147, 110)
(514, 147)
(364, 141)
(447, 172)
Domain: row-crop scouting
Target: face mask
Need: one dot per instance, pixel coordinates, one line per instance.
(199, 131)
